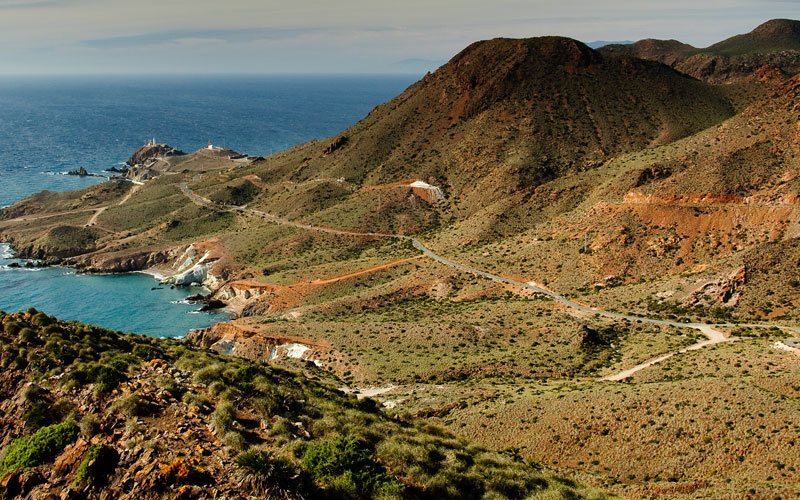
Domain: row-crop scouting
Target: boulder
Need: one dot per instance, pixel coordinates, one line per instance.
(81, 172)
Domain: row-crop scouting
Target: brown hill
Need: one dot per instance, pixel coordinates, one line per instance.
(507, 115)
(772, 36)
(774, 44)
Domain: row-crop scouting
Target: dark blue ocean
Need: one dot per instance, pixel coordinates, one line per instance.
(52, 125)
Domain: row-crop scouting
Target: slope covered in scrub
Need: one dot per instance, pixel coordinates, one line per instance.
(89, 410)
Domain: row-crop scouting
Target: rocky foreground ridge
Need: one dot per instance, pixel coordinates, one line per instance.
(90, 413)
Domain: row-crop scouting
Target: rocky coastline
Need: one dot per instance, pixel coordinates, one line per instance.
(155, 263)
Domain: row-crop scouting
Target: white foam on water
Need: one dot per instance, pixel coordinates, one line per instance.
(155, 275)
(5, 251)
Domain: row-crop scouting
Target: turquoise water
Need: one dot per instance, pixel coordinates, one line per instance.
(124, 302)
(55, 125)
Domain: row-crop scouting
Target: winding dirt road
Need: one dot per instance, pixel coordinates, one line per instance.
(711, 331)
(100, 210)
(714, 337)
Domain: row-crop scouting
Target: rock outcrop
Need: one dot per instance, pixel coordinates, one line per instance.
(151, 152)
(80, 172)
(722, 292)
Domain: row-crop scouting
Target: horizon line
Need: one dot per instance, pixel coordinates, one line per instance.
(219, 74)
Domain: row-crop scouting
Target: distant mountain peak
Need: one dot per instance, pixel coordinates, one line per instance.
(602, 43)
(775, 43)
(778, 27)
(771, 36)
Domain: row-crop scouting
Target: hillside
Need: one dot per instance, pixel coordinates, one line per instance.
(772, 36)
(774, 44)
(547, 107)
(522, 168)
(90, 412)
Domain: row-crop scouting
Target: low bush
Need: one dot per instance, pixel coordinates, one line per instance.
(99, 462)
(90, 425)
(13, 327)
(131, 406)
(193, 399)
(41, 319)
(208, 374)
(269, 477)
(223, 418)
(38, 416)
(105, 378)
(235, 440)
(41, 447)
(346, 465)
(28, 335)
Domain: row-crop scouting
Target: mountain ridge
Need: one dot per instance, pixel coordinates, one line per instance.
(775, 43)
(538, 93)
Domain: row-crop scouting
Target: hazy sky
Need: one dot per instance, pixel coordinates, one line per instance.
(323, 36)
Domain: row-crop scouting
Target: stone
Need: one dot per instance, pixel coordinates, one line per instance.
(70, 458)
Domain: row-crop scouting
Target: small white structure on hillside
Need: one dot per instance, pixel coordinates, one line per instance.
(435, 193)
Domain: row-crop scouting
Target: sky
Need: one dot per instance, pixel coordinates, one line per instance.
(327, 36)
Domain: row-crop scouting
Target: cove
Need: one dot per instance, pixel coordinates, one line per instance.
(125, 302)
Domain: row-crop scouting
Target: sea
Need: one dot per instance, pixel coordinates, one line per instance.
(51, 125)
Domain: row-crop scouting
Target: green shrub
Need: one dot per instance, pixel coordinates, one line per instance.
(28, 335)
(105, 378)
(40, 319)
(32, 393)
(146, 352)
(345, 464)
(223, 418)
(267, 476)
(13, 327)
(74, 379)
(168, 384)
(193, 399)
(41, 447)
(208, 374)
(275, 402)
(132, 427)
(38, 416)
(235, 440)
(217, 387)
(131, 406)
(20, 362)
(99, 462)
(55, 331)
(90, 425)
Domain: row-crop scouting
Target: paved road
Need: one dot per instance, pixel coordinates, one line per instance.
(708, 329)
